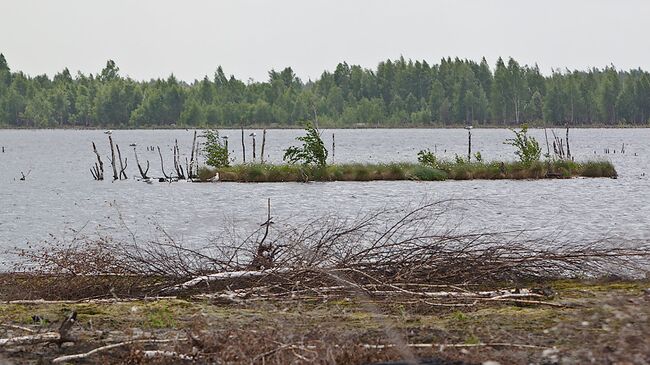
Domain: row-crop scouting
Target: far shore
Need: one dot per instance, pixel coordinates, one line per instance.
(329, 127)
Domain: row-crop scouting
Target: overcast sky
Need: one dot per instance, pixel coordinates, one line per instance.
(153, 38)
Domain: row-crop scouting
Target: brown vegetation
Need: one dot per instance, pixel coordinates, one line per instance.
(379, 287)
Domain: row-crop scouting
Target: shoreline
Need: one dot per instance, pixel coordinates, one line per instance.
(300, 127)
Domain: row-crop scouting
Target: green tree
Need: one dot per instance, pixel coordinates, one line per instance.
(215, 149)
(528, 149)
(312, 151)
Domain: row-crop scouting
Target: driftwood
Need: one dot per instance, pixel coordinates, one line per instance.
(98, 169)
(60, 336)
(143, 173)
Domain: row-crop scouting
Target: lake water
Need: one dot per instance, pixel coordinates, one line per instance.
(60, 197)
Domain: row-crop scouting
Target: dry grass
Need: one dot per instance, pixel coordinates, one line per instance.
(597, 322)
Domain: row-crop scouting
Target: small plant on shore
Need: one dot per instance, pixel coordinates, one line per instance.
(312, 151)
(528, 149)
(459, 160)
(478, 157)
(215, 149)
(426, 157)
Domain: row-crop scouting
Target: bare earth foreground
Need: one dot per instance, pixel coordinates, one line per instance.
(560, 322)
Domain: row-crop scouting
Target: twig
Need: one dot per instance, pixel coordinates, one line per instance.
(18, 327)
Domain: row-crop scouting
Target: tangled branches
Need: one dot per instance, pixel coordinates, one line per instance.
(417, 247)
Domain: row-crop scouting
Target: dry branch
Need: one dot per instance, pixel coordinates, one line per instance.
(143, 173)
(124, 165)
(98, 172)
(442, 346)
(162, 165)
(110, 141)
(105, 348)
(62, 335)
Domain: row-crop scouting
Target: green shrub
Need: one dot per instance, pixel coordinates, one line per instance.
(426, 157)
(426, 173)
(312, 151)
(215, 149)
(528, 149)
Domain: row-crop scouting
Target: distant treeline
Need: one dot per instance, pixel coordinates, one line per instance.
(397, 93)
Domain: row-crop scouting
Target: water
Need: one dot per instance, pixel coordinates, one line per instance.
(59, 196)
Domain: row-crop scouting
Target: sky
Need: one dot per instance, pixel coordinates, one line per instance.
(154, 38)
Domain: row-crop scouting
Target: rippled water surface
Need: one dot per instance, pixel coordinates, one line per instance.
(59, 195)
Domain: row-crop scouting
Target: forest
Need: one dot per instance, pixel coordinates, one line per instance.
(398, 93)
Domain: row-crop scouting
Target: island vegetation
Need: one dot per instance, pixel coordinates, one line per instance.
(308, 162)
(397, 93)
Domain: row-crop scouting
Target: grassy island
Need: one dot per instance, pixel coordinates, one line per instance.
(408, 171)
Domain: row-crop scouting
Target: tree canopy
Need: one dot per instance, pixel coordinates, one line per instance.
(397, 93)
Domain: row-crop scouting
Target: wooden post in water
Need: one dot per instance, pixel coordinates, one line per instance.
(333, 147)
(253, 135)
(243, 145)
(568, 150)
(110, 140)
(263, 144)
(469, 142)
